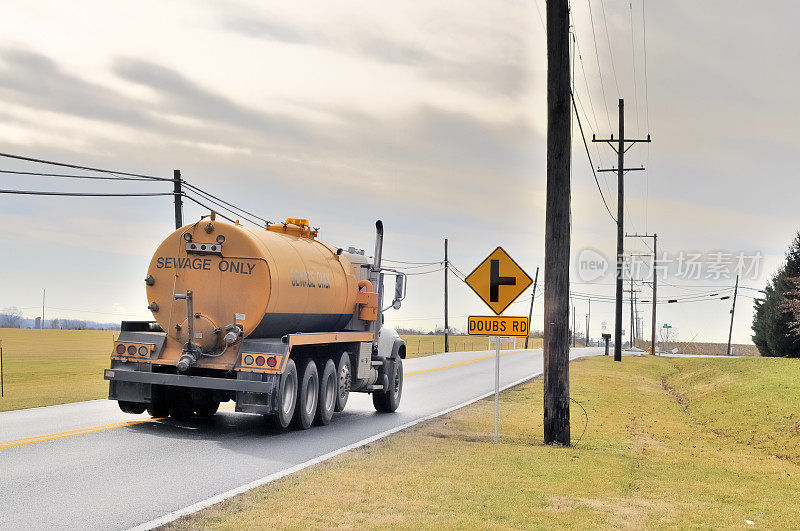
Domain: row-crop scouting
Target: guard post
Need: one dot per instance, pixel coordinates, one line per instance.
(607, 338)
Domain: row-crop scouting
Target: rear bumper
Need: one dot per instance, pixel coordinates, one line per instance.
(181, 380)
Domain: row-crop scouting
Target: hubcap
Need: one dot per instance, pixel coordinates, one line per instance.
(288, 395)
(310, 391)
(330, 394)
(344, 381)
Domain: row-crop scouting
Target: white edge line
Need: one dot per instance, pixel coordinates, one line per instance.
(171, 517)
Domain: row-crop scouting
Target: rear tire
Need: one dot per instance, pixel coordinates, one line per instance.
(344, 379)
(328, 393)
(307, 395)
(287, 396)
(181, 407)
(388, 401)
(207, 409)
(133, 408)
(159, 405)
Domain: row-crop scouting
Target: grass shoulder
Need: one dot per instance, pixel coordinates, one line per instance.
(660, 450)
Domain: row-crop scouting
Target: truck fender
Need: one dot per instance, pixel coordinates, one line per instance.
(399, 349)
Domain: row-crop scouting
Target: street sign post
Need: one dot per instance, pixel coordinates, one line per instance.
(498, 281)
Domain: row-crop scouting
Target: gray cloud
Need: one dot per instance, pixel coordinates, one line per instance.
(506, 77)
(185, 97)
(36, 81)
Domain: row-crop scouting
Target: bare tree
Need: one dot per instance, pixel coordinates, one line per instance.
(55, 324)
(11, 317)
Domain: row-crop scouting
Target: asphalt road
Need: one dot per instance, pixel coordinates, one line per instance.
(87, 465)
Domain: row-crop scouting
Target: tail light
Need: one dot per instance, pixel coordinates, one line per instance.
(120, 349)
(131, 350)
(260, 361)
(248, 360)
(144, 351)
(271, 361)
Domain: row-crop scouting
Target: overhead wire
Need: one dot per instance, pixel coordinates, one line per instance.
(71, 176)
(599, 70)
(610, 50)
(84, 194)
(633, 60)
(87, 168)
(591, 164)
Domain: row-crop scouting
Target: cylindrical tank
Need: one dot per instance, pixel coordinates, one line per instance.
(272, 281)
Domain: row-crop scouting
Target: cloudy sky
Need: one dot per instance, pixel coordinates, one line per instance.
(428, 115)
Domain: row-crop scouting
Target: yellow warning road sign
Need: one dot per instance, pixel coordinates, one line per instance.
(492, 325)
(498, 280)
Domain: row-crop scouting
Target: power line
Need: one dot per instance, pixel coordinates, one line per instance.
(610, 51)
(591, 164)
(235, 213)
(125, 176)
(644, 46)
(87, 168)
(70, 176)
(190, 198)
(84, 194)
(633, 60)
(599, 70)
(211, 196)
(585, 79)
(412, 263)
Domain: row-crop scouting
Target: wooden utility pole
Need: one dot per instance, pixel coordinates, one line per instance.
(557, 227)
(176, 188)
(574, 331)
(655, 286)
(733, 310)
(588, 317)
(620, 170)
(530, 312)
(446, 325)
(632, 332)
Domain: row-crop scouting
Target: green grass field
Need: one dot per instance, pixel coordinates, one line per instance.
(423, 345)
(669, 443)
(45, 367)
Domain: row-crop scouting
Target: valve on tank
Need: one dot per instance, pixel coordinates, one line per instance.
(191, 352)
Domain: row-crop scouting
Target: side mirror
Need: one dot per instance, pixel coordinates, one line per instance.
(399, 291)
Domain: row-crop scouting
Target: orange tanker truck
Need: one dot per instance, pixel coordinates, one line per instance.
(271, 318)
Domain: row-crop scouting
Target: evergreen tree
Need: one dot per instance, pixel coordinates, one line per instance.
(774, 322)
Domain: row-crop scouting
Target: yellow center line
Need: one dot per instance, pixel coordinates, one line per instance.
(71, 433)
(412, 373)
(113, 425)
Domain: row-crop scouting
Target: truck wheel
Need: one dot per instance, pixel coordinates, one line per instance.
(344, 379)
(181, 407)
(388, 401)
(307, 395)
(207, 409)
(287, 396)
(328, 387)
(159, 406)
(134, 408)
